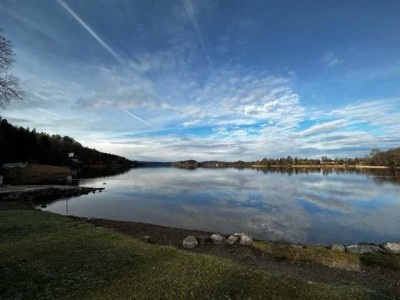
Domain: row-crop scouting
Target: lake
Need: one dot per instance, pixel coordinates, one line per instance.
(303, 206)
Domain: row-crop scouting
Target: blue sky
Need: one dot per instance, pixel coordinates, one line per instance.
(169, 80)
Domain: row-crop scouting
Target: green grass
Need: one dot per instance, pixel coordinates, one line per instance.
(43, 255)
(381, 260)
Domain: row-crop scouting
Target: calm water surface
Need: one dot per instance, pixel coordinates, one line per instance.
(316, 207)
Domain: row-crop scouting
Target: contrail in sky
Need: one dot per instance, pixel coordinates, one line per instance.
(91, 31)
(103, 44)
(191, 15)
(136, 117)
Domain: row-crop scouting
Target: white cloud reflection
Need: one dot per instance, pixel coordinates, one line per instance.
(301, 208)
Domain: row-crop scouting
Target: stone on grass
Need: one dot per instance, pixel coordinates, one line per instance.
(364, 248)
(244, 239)
(392, 248)
(190, 242)
(232, 239)
(338, 247)
(218, 239)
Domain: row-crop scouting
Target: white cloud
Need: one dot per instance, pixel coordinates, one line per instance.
(383, 113)
(120, 87)
(331, 60)
(240, 114)
(230, 97)
(324, 127)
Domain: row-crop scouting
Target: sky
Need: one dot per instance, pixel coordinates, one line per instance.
(170, 80)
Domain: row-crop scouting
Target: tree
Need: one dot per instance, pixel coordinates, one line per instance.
(9, 84)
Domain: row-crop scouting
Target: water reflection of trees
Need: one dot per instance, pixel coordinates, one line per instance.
(91, 175)
(383, 175)
(378, 175)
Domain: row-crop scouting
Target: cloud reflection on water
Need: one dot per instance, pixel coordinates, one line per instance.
(315, 207)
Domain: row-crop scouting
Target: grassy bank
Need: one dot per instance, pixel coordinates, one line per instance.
(36, 174)
(319, 255)
(43, 255)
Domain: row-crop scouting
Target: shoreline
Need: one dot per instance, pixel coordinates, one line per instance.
(37, 193)
(32, 197)
(165, 235)
(75, 256)
(323, 166)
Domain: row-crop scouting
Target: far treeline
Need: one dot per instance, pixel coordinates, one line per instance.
(18, 144)
(390, 158)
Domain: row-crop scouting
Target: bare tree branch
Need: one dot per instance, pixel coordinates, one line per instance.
(9, 85)
(9, 89)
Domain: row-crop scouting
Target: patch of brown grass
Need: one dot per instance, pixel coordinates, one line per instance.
(311, 254)
(36, 173)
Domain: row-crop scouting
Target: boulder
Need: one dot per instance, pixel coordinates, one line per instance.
(337, 247)
(232, 239)
(393, 248)
(190, 242)
(244, 238)
(218, 239)
(364, 248)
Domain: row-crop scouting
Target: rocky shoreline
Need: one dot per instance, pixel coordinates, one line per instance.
(367, 264)
(166, 235)
(245, 239)
(190, 239)
(71, 246)
(37, 193)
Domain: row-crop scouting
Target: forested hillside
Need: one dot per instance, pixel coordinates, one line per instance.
(18, 144)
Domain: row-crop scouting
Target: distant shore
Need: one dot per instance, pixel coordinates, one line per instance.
(335, 166)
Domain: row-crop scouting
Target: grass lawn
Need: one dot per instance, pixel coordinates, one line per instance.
(43, 255)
